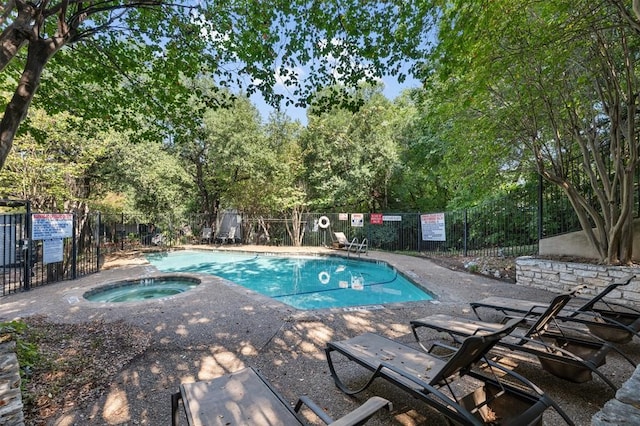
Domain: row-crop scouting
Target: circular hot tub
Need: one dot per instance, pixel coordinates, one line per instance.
(142, 289)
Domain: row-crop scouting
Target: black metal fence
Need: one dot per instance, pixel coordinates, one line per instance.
(508, 226)
(28, 260)
(466, 232)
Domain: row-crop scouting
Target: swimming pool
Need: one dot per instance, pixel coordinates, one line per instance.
(305, 282)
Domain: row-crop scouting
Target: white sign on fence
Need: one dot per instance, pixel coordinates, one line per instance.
(51, 226)
(357, 220)
(433, 228)
(52, 251)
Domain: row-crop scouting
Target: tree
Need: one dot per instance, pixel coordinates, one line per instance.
(253, 46)
(559, 79)
(225, 152)
(155, 182)
(351, 156)
(420, 184)
(287, 190)
(53, 163)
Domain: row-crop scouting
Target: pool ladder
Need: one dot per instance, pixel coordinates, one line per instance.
(358, 247)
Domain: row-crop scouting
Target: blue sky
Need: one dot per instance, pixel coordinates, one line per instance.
(392, 89)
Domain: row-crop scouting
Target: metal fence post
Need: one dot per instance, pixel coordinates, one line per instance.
(465, 235)
(122, 233)
(540, 208)
(97, 241)
(74, 249)
(29, 248)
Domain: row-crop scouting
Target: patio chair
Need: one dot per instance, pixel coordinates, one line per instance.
(456, 387)
(340, 240)
(227, 237)
(206, 235)
(247, 398)
(606, 320)
(569, 357)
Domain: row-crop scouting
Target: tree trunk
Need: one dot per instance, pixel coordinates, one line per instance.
(296, 231)
(38, 55)
(21, 30)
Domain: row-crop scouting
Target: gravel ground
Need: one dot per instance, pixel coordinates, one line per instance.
(220, 327)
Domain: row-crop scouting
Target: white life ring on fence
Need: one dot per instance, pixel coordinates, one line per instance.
(324, 277)
(324, 222)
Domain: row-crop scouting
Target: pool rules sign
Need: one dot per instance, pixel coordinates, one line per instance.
(433, 228)
(51, 228)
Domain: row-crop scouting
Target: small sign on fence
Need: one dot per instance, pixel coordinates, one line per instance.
(433, 228)
(375, 218)
(357, 220)
(52, 251)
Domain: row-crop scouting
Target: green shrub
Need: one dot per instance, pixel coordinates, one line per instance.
(26, 352)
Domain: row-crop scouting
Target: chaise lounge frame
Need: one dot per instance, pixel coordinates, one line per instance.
(438, 382)
(606, 320)
(570, 357)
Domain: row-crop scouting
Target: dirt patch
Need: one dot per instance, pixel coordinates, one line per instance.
(119, 258)
(75, 363)
(501, 268)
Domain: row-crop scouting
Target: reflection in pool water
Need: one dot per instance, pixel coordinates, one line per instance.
(304, 282)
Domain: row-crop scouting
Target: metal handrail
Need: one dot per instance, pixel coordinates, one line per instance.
(357, 246)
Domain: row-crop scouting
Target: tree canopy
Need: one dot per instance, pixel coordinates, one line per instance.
(510, 88)
(556, 81)
(147, 50)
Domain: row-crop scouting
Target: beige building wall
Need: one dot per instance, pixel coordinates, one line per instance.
(575, 244)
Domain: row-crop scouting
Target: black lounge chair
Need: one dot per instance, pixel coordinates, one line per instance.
(246, 398)
(609, 321)
(454, 387)
(570, 357)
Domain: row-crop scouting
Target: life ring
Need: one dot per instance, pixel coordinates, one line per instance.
(324, 277)
(324, 222)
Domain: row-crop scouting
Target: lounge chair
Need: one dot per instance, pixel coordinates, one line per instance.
(455, 387)
(570, 357)
(609, 321)
(340, 240)
(206, 235)
(246, 398)
(227, 237)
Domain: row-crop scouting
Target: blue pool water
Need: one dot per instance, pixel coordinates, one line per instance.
(142, 289)
(301, 282)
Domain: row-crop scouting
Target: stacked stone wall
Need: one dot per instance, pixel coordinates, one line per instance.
(562, 276)
(624, 409)
(10, 396)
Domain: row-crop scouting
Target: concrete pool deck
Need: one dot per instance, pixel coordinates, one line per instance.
(221, 327)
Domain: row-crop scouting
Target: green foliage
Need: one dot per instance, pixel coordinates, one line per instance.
(419, 183)
(51, 160)
(382, 236)
(518, 86)
(146, 53)
(350, 157)
(155, 181)
(26, 351)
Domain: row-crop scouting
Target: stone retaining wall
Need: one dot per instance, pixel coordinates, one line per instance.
(624, 409)
(10, 396)
(562, 276)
